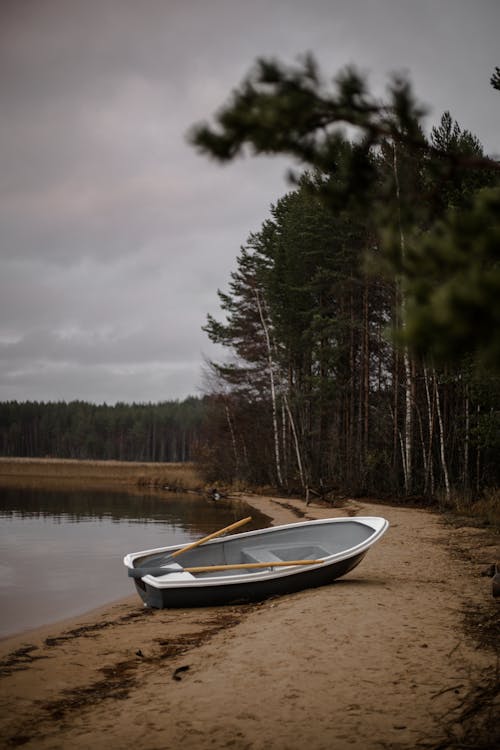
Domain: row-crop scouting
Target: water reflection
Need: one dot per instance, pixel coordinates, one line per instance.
(61, 551)
(81, 504)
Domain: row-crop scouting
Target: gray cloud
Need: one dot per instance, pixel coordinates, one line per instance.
(114, 233)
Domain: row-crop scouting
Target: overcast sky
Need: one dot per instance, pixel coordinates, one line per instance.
(114, 233)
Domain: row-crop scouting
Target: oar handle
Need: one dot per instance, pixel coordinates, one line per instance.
(211, 536)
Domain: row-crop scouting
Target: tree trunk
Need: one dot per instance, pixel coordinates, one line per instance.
(466, 439)
(273, 390)
(442, 450)
(298, 454)
(408, 423)
(233, 437)
(431, 411)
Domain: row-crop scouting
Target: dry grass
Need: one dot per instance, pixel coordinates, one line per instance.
(489, 506)
(176, 476)
(482, 510)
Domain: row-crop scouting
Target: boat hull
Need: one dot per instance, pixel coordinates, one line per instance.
(240, 592)
(334, 547)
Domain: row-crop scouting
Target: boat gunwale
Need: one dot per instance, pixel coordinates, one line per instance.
(377, 523)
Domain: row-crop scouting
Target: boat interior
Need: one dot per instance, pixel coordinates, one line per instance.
(312, 542)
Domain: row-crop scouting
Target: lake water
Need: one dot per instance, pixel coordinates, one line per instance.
(61, 552)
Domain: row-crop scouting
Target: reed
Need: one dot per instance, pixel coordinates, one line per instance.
(174, 476)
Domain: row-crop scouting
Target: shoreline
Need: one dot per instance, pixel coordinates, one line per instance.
(44, 630)
(27, 609)
(281, 515)
(378, 659)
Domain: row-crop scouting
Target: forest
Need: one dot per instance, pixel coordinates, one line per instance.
(362, 319)
(168, 431)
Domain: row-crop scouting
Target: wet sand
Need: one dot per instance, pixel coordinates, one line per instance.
(379, 659)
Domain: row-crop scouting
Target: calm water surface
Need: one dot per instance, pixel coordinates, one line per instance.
(61, 552)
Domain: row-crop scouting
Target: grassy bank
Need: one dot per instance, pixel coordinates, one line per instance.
(175, 476)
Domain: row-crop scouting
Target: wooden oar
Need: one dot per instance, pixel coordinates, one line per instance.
(243, 566)
(141, 571)
(233, 526)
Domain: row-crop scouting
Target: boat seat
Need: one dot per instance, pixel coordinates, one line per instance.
(259, 555)
(284, 552)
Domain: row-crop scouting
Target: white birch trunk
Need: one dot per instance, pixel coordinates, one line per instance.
(422, 441)
(233, 436)
(297, 448)
(286, 404)
(442, 450)
(273, 389)
(467, 438)
(478, 454)
(408, 425)
(430, 421)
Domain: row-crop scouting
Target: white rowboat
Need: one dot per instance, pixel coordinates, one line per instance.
(253, 565)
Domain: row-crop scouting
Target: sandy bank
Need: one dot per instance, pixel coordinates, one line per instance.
(379, 659)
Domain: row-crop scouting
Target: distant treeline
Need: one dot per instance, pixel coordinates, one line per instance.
(168, 431)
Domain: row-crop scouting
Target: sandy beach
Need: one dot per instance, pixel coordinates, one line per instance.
(398, 654)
